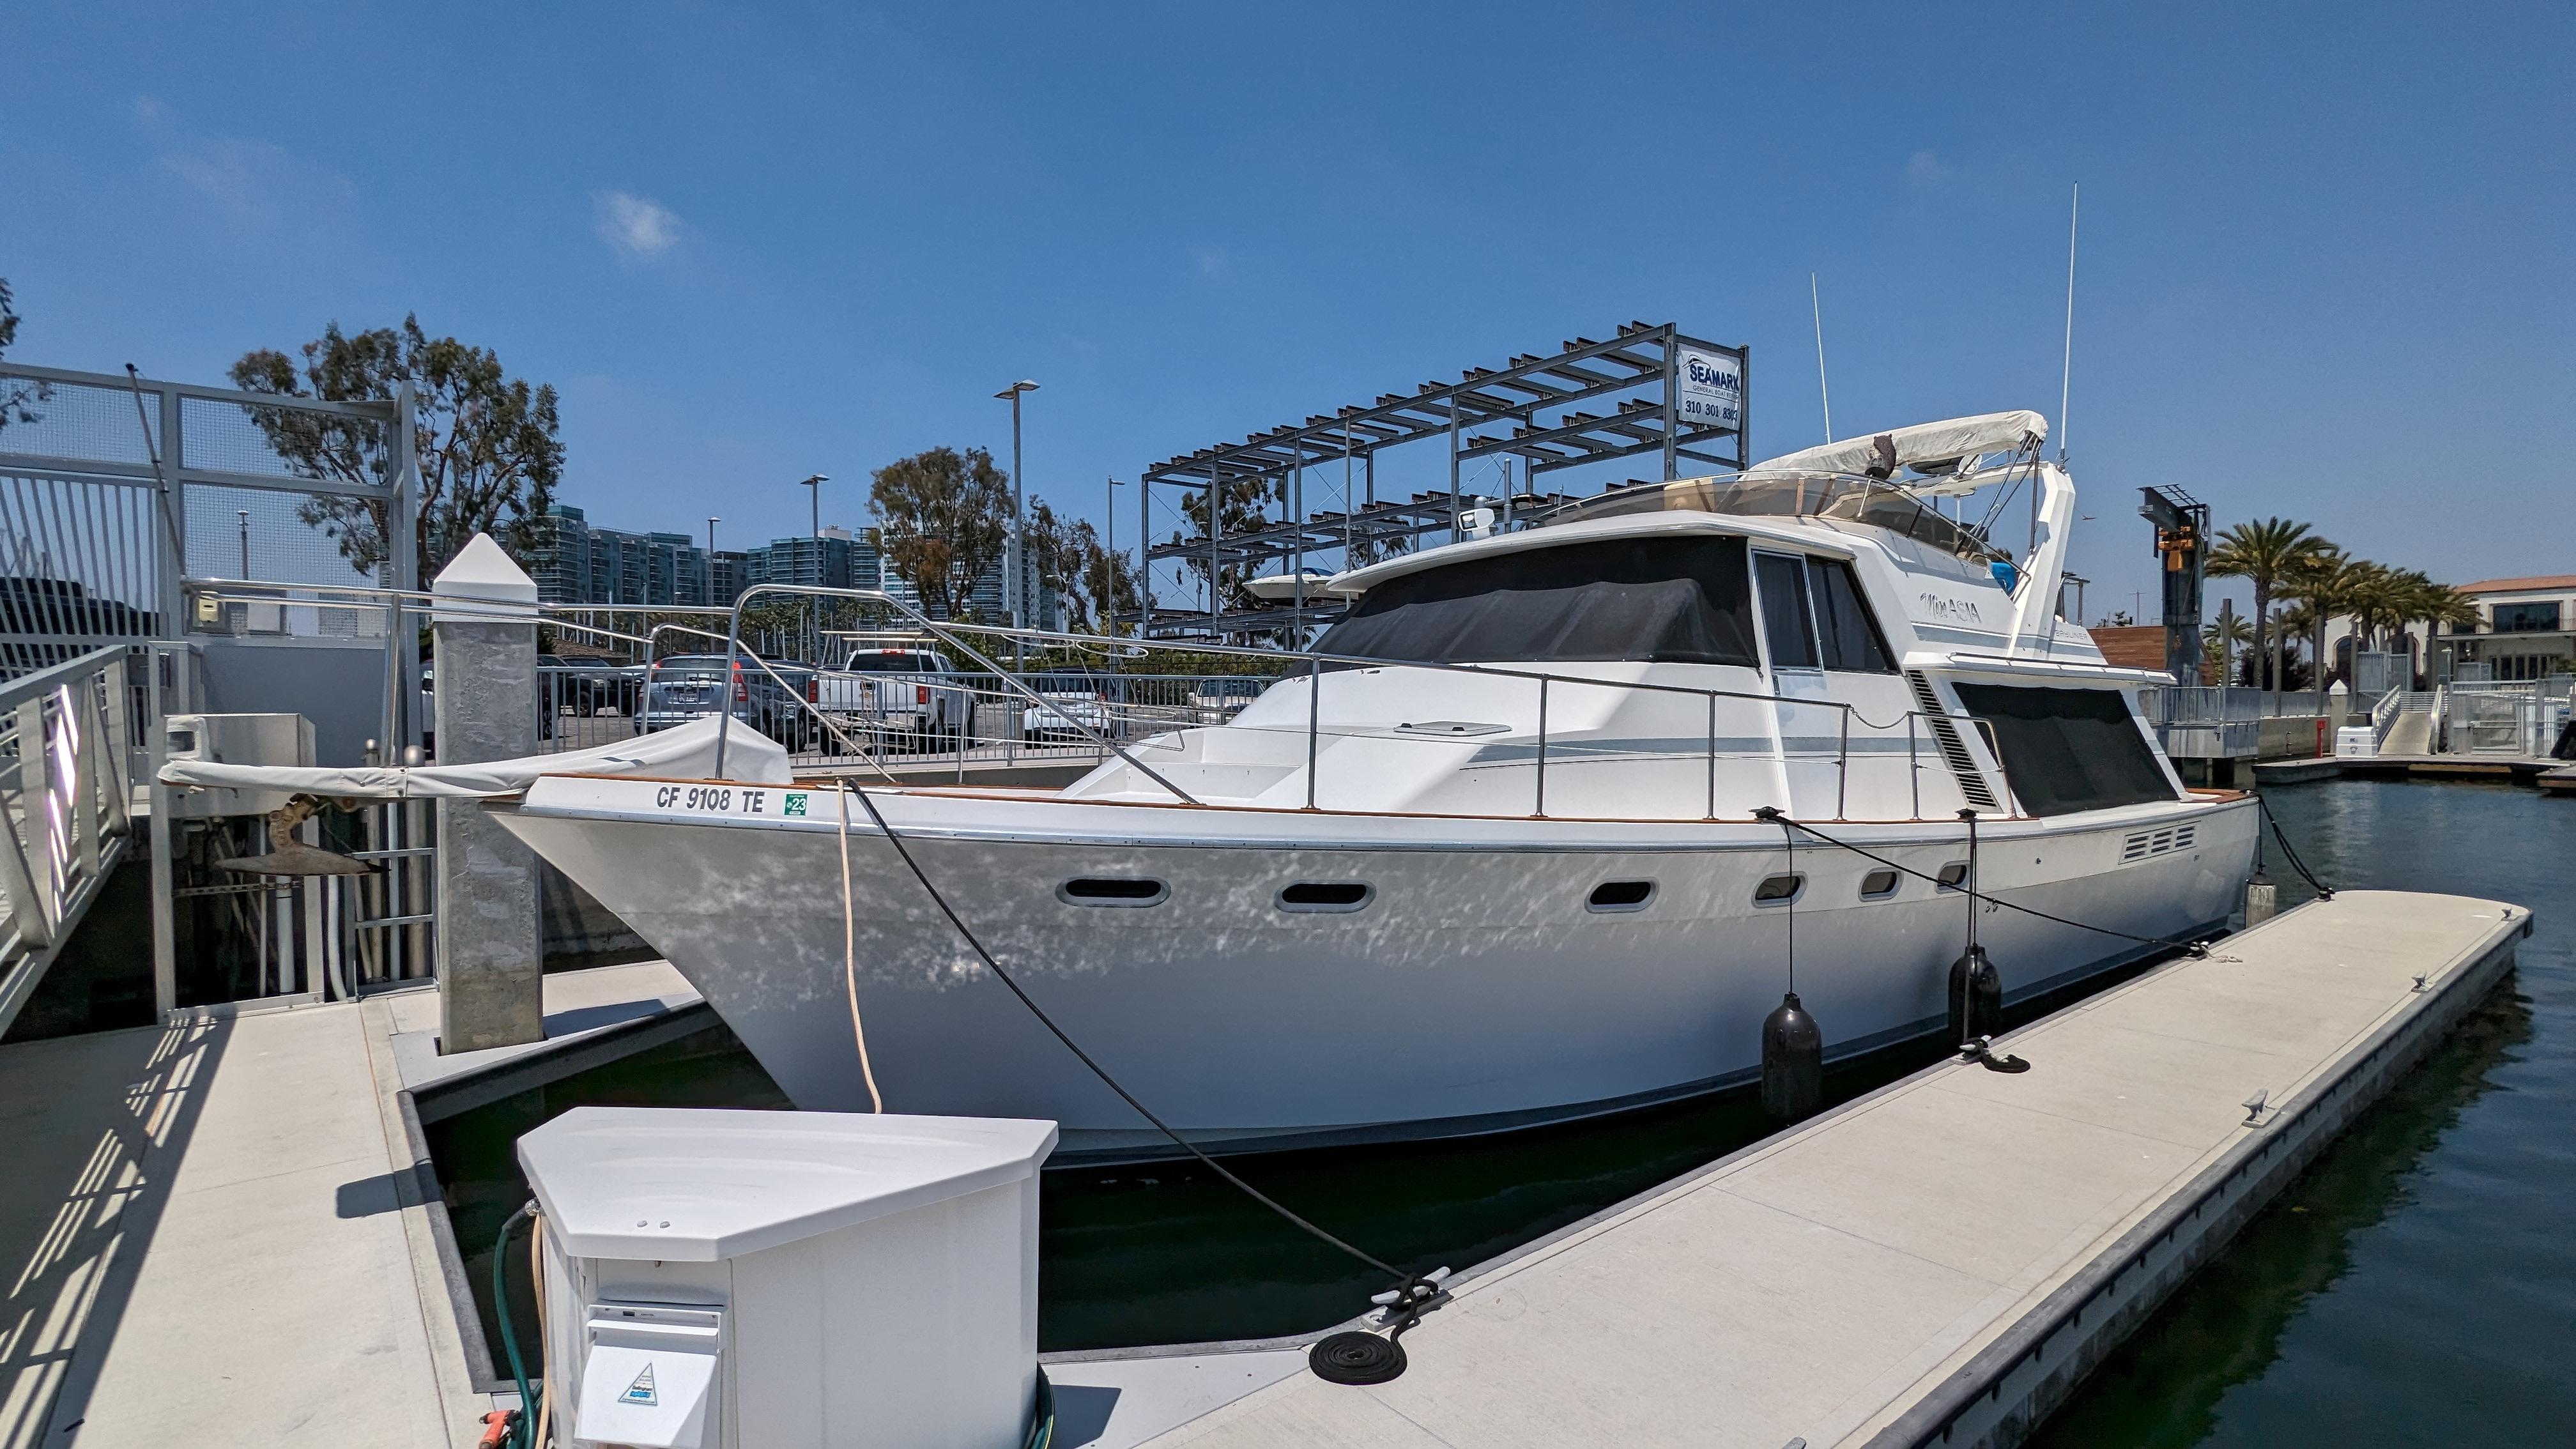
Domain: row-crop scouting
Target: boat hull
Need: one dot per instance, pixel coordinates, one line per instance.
(1474, 991)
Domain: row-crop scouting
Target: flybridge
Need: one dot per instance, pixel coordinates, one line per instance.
(1648, 391)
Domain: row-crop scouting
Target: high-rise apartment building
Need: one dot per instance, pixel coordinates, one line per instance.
(579, 562)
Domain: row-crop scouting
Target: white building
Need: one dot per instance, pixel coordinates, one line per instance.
(2526, 629)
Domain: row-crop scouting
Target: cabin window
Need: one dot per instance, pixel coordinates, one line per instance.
(2065, 750)
(1113, 890)
(1878, 885)
(1325, 895)
(1621, 895)
(1845, 633)
(1953, 875)
(1786, 625)
(1671, 600)
(1779, 890)
(1813, 616)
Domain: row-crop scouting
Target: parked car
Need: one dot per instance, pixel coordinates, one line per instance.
(685, 687)
(1219, 700)
(587, 689)
(1076, 708)
(910, 695)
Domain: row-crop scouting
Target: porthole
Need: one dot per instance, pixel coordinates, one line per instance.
(1326, 895)
(1953, 875)
(1779, 890)
(1621, 895)
(1878, 885)
(1112, 890)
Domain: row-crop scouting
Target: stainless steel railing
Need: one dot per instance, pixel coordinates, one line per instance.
(1115, 739)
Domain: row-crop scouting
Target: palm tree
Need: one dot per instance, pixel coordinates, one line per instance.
(2418, 597)
(2321, 582)
(2262, 552)
(2220, 640)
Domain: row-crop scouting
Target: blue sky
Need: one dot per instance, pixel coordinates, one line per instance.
(2325, 267)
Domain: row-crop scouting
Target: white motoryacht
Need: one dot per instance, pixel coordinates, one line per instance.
(1491, 859)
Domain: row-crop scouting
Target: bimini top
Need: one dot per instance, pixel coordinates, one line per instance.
(1925, 447)
(1767, 493)
(1855, 481)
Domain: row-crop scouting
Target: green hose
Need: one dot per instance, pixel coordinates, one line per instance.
(523, 1433)
(1042, 1422)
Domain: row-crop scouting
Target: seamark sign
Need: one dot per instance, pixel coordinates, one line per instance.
(1712, 391)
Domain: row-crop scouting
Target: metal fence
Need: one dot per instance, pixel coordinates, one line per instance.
(2517, 718)
(113, 490)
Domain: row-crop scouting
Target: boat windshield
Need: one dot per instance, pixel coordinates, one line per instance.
(1671, 599)
(1871, 502)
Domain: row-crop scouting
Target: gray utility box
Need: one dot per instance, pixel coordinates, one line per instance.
(234, 739)
(779, 1280)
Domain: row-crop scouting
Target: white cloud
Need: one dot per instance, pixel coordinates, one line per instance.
(1212, 261)
(1925, 171)
(255, 181)
(636, 225)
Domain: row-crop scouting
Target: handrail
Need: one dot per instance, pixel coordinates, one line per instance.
(733, 643)
(2384, 715)
(1314, 660)
(54, 676)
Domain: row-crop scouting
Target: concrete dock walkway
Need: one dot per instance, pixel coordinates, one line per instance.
(219, 1235)
(1940, 1261)
(214, 1233)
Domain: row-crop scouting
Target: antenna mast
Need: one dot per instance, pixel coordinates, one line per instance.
(1816, 301)
(2066, 379)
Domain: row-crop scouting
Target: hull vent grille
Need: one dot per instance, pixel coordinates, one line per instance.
(1963, 766)
(2148, 843)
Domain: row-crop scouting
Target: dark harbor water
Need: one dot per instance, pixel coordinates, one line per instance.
(2418, 1285)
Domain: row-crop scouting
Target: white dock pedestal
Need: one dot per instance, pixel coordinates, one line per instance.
(789, 1280)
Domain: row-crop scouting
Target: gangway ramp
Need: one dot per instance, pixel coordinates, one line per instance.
(66, 803)
(2411, 735)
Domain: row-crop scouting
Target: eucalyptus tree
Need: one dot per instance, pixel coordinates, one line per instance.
(1071, 561)
(943, 517)
(485, 443)
(16, 394)
(2262, 552)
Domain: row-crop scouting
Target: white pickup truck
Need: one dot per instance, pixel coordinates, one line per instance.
(898, 696)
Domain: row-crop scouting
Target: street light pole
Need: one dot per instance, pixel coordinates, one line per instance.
(1016, 560)
(816, 482)
(1109, 566)
(814, 605)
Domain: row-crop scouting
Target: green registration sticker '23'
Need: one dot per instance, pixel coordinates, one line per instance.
(795, 805)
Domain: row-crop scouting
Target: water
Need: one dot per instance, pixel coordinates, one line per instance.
(2416, 1284)
(2419, 1284)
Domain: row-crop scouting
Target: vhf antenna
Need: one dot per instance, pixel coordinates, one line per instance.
(2066, 378)
(1816, 301)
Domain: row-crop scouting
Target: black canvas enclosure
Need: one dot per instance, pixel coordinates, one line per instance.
(1682, 600)
(2066, 750)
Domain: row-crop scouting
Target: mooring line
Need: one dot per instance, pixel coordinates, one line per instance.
(2291, 853)
(1414, 1291)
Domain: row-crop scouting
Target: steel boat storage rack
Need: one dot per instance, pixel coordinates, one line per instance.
(1522, 839)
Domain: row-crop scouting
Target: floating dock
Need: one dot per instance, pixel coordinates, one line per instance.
(1939, 1262)
(2521, 769)
(224, 1229)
